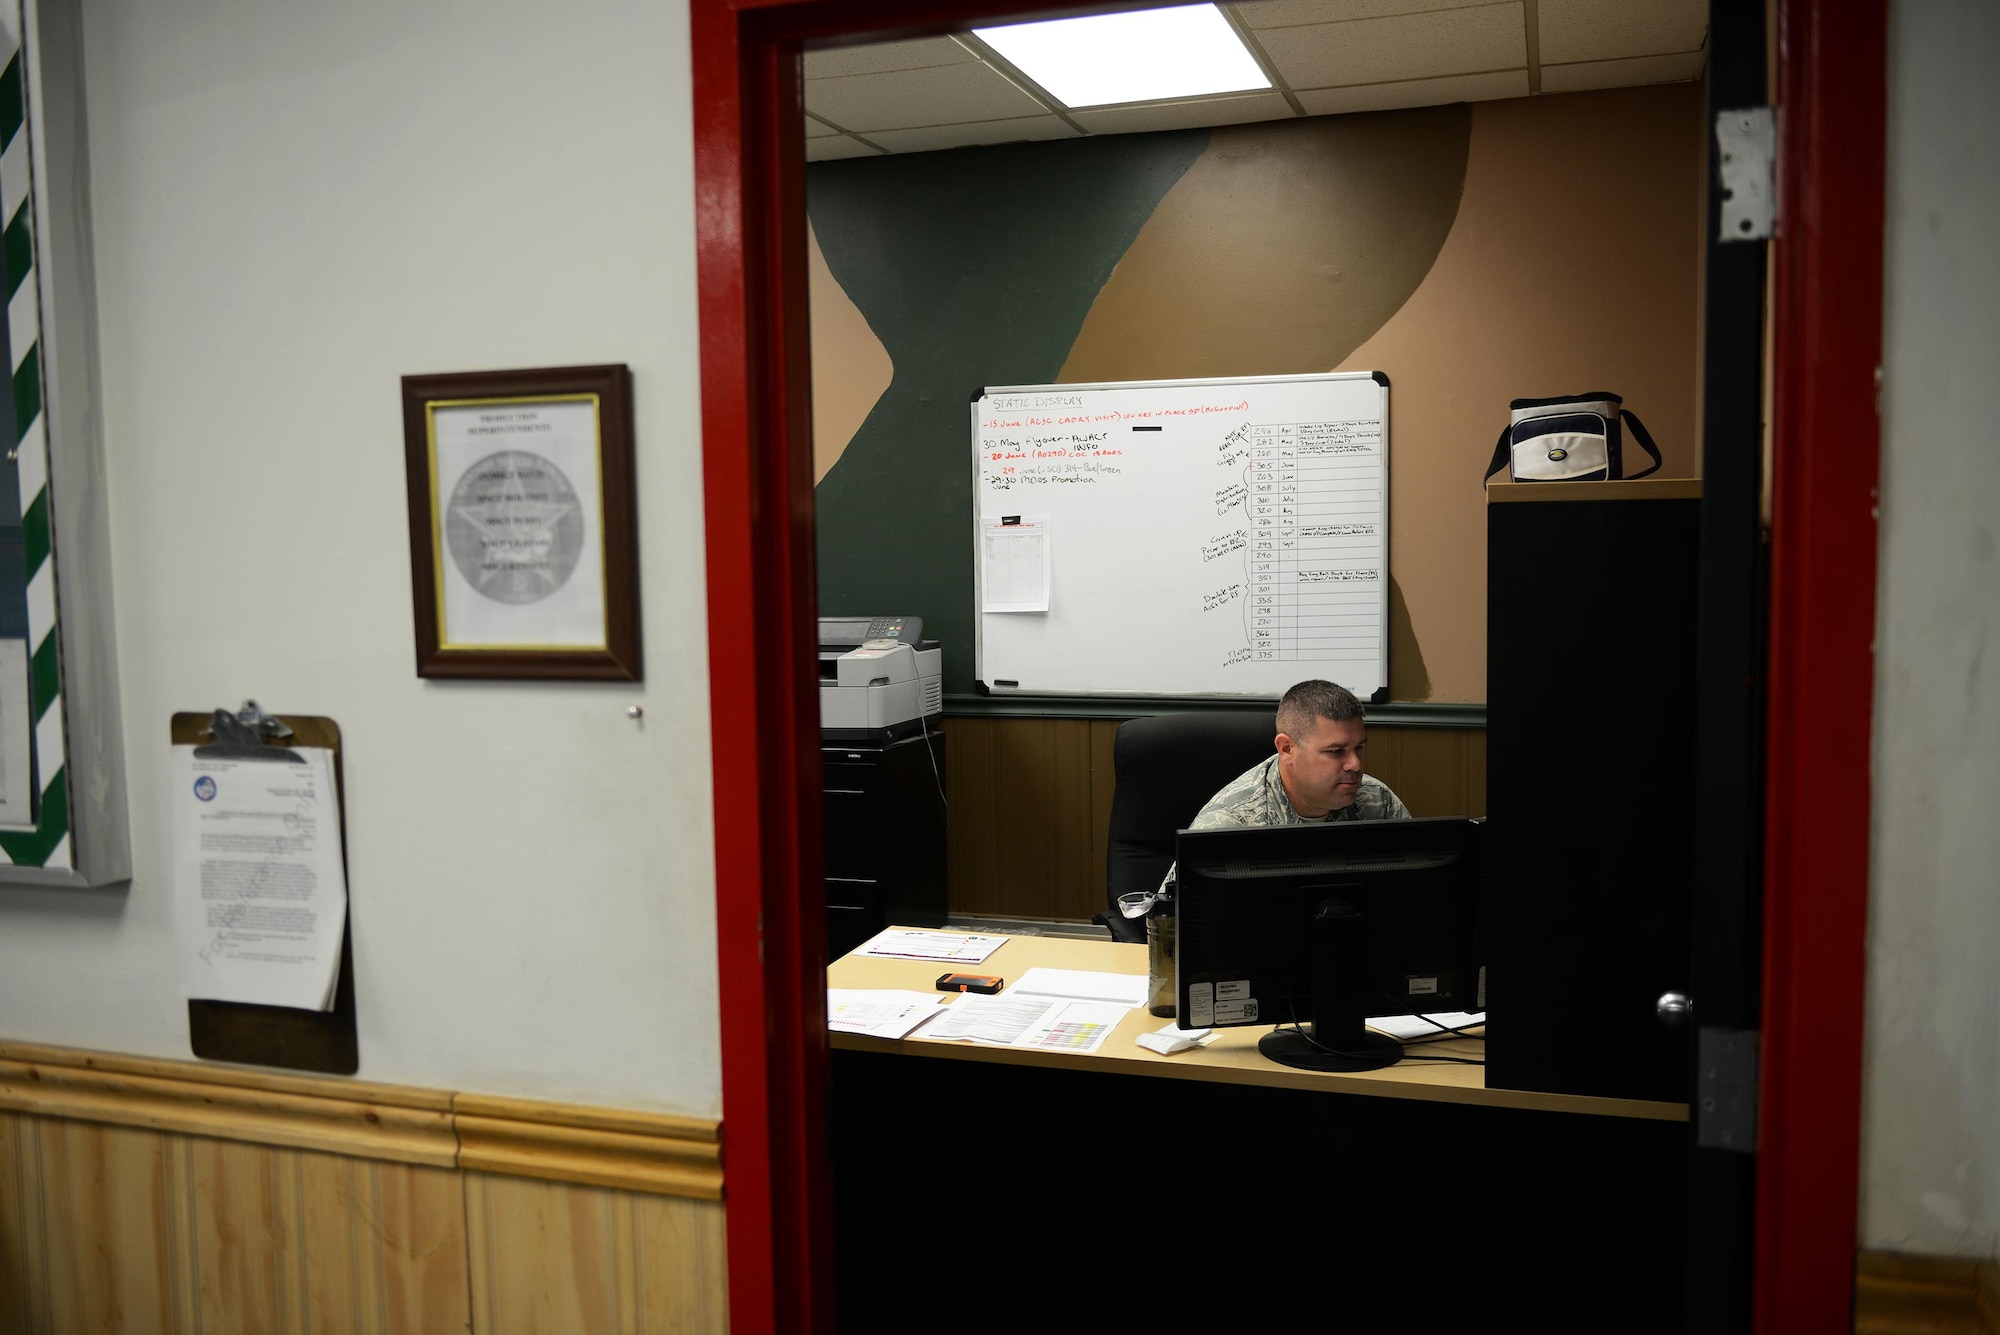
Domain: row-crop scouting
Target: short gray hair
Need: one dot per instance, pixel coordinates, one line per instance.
(1310, 701)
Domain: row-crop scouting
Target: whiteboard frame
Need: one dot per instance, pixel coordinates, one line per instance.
(987, 689)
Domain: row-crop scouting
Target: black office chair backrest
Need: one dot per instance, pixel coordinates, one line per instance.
(1167, 767)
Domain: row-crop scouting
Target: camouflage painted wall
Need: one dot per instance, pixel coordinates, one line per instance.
(1473, 253)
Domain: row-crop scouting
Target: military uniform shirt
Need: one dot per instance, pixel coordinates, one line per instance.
(1256, 798)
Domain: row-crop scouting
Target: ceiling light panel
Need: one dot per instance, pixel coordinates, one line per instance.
(1143, 56)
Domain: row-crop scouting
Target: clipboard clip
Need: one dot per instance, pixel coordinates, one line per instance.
(246, 734)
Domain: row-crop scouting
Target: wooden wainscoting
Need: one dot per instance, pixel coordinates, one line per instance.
(1903, 1293)
(142, 1196)
(1030, 805)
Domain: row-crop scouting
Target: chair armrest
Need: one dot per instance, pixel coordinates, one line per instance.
(1122, 928)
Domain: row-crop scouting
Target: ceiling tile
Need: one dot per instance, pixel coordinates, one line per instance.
(818, 129)
(1415, 93)
(840, 146)
(981, 132)
(1622, 73)
(1410, 46)
(1260, 14)
(944, 94)
(1185, 115)
(883, 57)
(1577, 30)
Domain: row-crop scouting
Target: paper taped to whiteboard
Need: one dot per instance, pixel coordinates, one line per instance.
(1014, 564)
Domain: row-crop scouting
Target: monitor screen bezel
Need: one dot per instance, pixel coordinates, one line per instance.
(1269, 880)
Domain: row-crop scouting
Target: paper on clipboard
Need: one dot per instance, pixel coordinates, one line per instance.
(260, 886)
(1014, 564)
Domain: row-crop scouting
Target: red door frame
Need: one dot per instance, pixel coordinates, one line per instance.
(1826, 447)
(757, 460)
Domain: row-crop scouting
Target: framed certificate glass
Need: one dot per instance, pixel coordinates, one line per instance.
(523, 556)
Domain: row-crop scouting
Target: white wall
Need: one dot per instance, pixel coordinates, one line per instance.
(1931, 1147)
(296, 205)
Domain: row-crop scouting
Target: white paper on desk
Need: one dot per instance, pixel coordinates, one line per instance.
(954, 947)
(1406, 1027)
(1171, 1038)
(1124, 989)
(1028, 1022)
(260, 889)
(1074, 1026)
(1014, 564)
(879, 1013)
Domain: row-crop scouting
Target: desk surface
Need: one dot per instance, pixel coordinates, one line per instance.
(1231, 1059)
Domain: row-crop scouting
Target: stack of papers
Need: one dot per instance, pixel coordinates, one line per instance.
(1062, 1010)
(954, 947)
(883, 1013)
(1406, 1027)
(1124, 989)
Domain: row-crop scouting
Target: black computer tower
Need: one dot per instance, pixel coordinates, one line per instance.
(1593, 777)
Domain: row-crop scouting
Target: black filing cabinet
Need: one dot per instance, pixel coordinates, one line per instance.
(885, 850)
(1592, 779)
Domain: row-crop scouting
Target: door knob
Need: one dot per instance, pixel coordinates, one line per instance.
(1673, 1008)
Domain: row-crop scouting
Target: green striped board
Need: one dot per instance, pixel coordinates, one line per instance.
(47, 844)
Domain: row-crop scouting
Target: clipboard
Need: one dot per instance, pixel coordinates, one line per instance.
(239, 1031)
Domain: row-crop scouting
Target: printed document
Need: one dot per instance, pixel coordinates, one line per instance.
(1012, 1020)
(1407, 1027)
(1124, 989)
(906, 943)
(260, 888)
(1014, 564)
(879, 1013)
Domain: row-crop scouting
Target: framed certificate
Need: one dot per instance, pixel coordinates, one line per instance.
(523, 552)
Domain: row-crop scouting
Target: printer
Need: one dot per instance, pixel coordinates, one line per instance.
(879, 678)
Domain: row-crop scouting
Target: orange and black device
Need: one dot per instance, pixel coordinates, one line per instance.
(988, 983)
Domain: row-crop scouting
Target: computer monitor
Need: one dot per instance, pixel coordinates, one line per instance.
(1314, 927)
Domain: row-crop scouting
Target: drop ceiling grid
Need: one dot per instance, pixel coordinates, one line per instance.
(1435, 44)
(1629, 72)
(1573, 31)
(1336, 56)
(919, 98)
(1487, 87)
(1290, 13)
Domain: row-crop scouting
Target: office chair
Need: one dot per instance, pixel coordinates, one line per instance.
(1166, 768)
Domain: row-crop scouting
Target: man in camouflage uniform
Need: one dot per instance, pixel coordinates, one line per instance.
(1315, 777)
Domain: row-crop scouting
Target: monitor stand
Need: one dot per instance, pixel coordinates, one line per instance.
(1337, 1039)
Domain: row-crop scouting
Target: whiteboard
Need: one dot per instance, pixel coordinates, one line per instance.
(1224, 538)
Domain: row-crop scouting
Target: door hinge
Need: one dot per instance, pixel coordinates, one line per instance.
(1725, 1090)
(1746, 139)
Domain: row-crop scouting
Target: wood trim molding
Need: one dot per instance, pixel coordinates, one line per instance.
(363, 1121)
(656, 1153)
(664, 1155)
(1903, 1293)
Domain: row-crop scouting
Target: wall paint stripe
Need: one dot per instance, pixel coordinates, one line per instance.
(20, 244)
(23, 320)
(13, 166)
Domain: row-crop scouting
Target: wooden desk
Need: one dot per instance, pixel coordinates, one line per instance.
(1213, 1189)
(1231, 1059)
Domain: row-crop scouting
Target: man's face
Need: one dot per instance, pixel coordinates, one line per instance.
(1322, 770)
